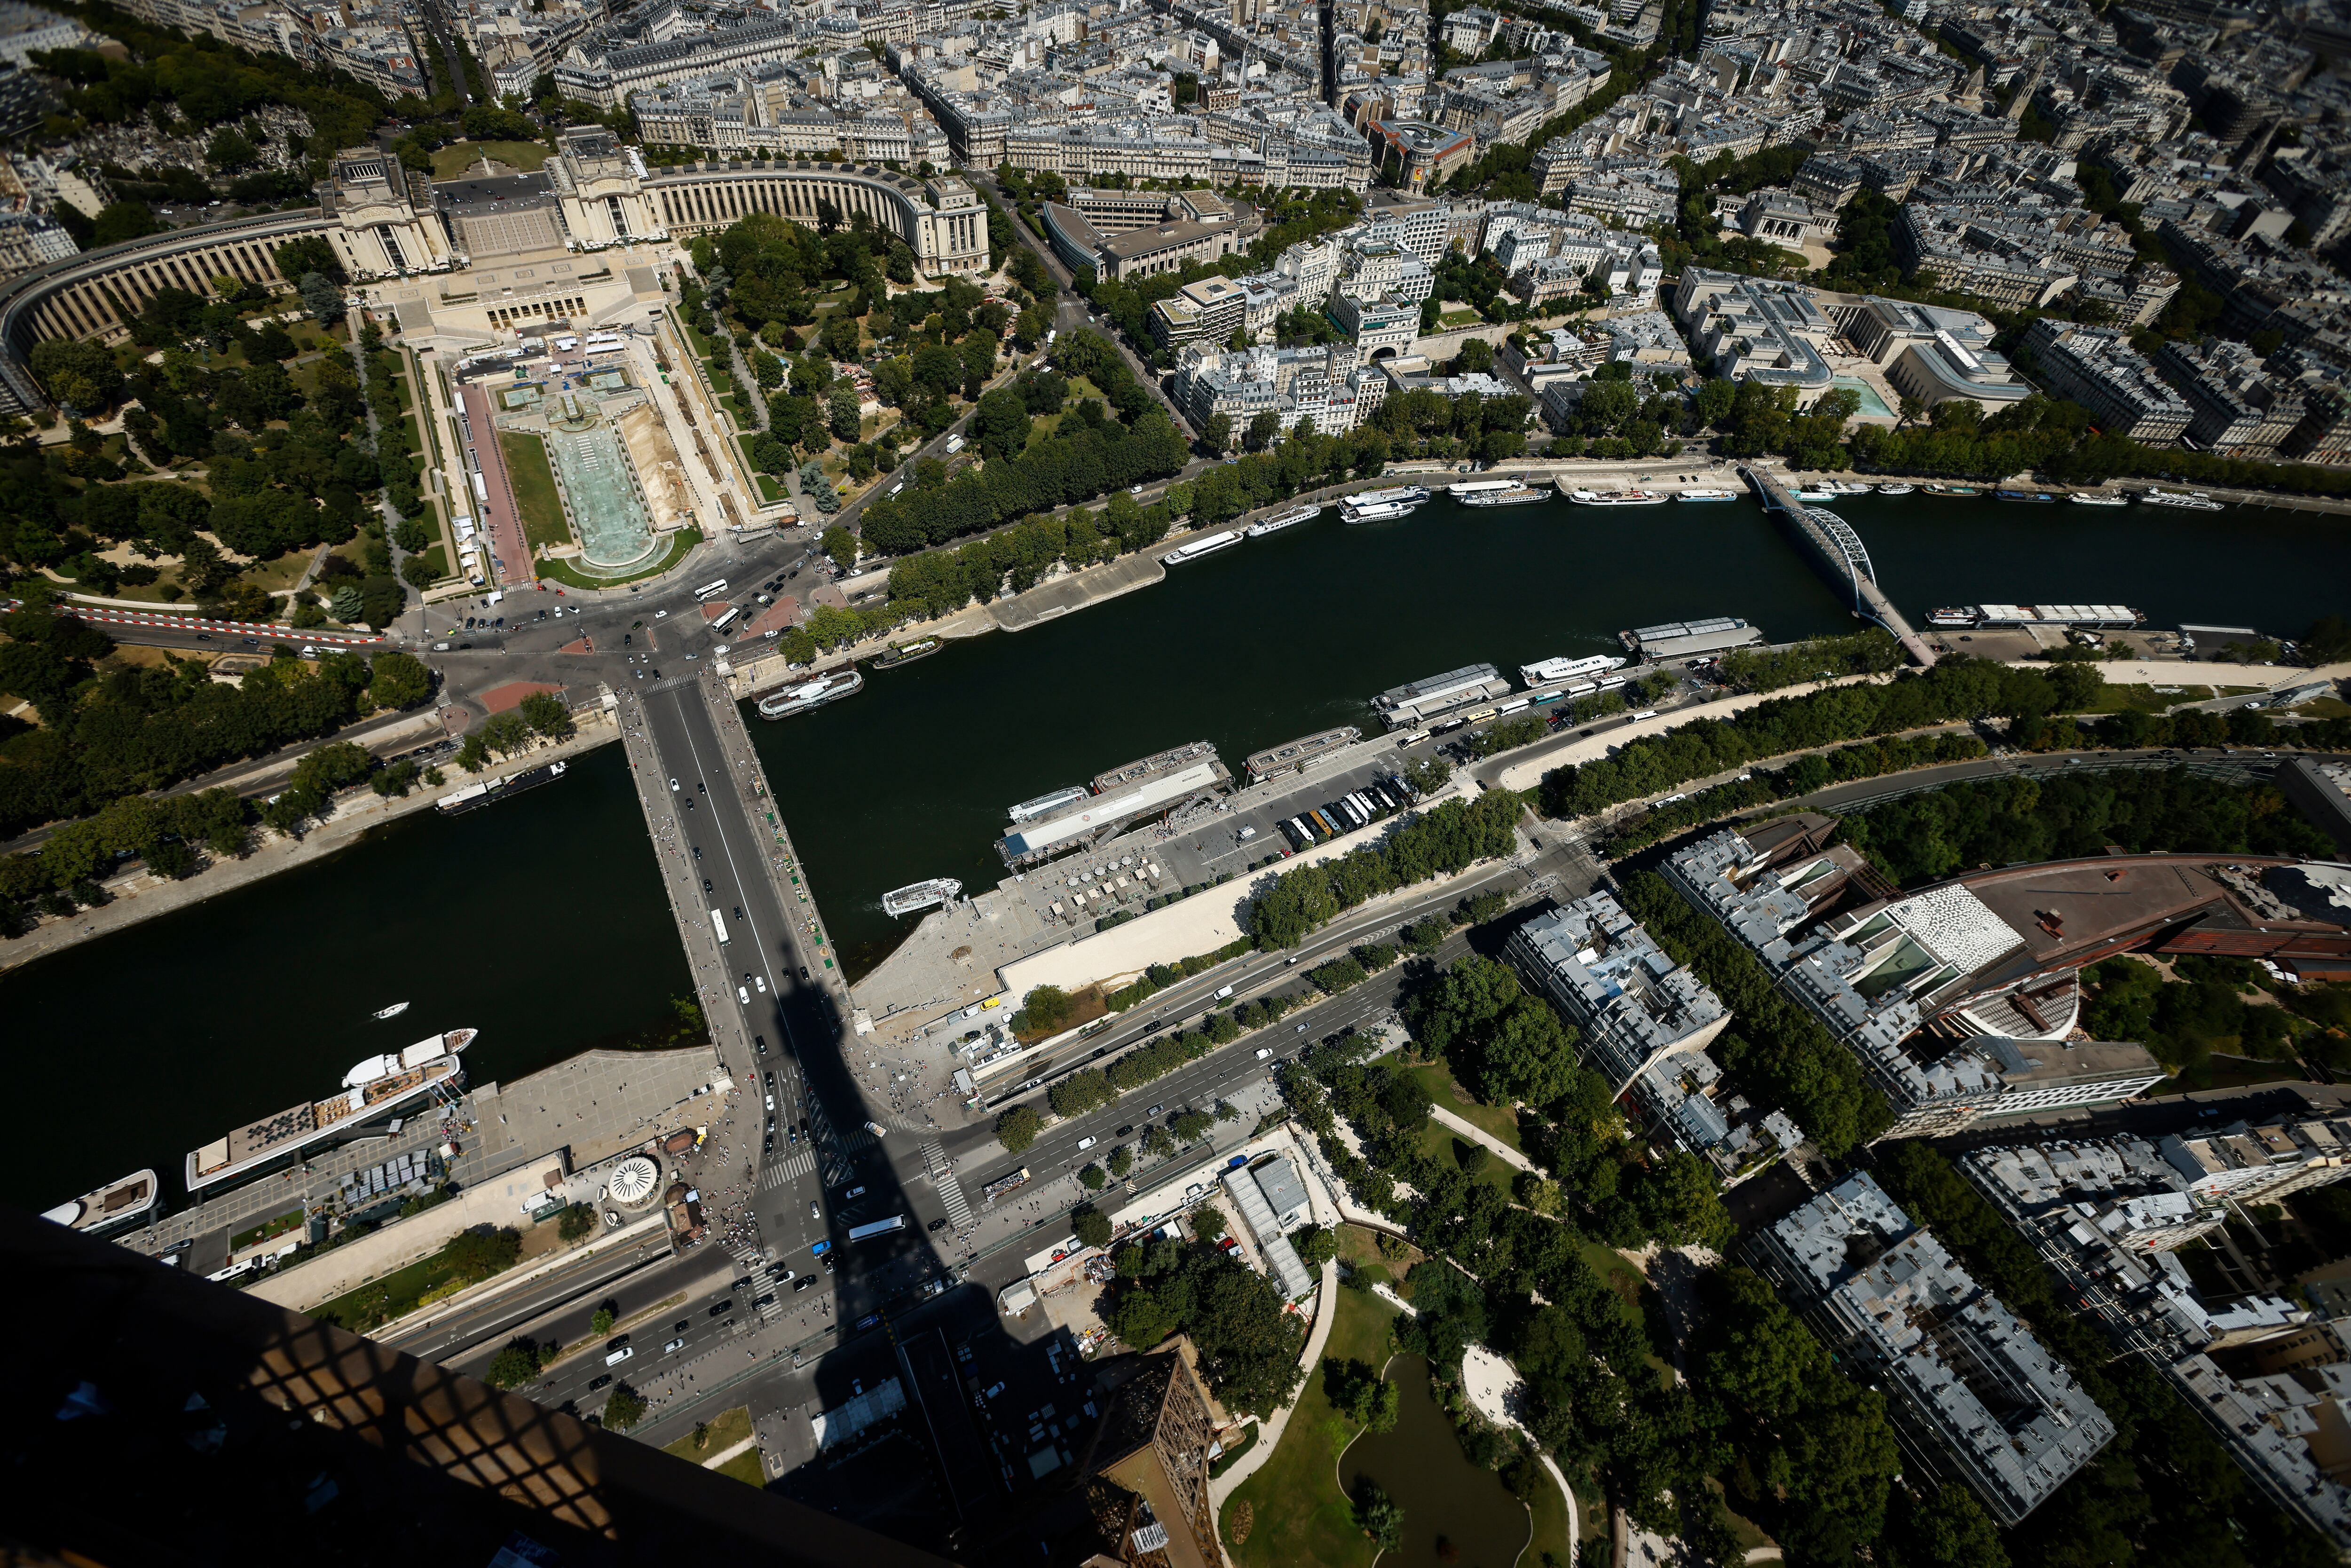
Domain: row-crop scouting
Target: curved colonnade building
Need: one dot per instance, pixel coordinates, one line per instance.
(479, 260)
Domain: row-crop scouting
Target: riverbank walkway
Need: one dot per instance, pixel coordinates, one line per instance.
(140, 895)
(1839, 552)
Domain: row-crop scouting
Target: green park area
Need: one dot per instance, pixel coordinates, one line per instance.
(470, 1258)
(459, 158)
(1292, 1510)
(713, 1437)
(533, 479)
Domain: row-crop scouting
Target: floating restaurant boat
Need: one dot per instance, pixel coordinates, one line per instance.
(377, 1088)
(1706, 495)
(829, 687)
(1288, 519)
(920, 895)
(1407, 495)
(1548, 671)
(1615, 497)
(1512, 495)
(1469, 487)
(477, 795)
(2187, 500)
(1354, 511)
(1819, 493)
(111, 1206)
(2110, 617)
(1207, 544)
(907, 653)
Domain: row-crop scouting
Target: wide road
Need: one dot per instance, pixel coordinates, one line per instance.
(838, 1174)
(1561, 870)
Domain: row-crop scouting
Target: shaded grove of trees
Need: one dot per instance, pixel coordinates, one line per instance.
(1956, 688)
(2216, 1003)
(127, 731)
(203, 82)
(1438, 842)
(1248, 1345)
(1090, 453)
(1518, 1276)
(2001, 821)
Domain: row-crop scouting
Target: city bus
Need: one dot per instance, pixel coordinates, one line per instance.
(879, 1228)
(711, 589)
(726, 620)
(719, 921)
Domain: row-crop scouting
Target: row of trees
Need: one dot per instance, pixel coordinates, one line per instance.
(1446, 839)
(1090, 453)
(1956, 688)
(2008, 820)
(148, 727)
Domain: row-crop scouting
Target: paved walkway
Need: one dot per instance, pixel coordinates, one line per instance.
(1269, 1431)
(1489, 1380)
(1525, 770)
(1478, 1134)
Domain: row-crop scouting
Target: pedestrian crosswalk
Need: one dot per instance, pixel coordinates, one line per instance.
(782, 1171)
(748, 1260)
(943, 1176)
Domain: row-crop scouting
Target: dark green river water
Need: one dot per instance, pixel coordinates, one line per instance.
(1277, 637)
(541, 920)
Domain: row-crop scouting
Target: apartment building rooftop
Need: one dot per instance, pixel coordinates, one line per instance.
(1968, 1381)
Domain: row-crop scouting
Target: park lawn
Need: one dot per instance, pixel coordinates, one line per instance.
(746, 1467)
(1500, 1121)
(1437, 1141)
(1550, 1541)
(278, 572)
(451, 163)
(769, 491)
(730, 1428)
(564, 573)
(534, 488)
(1300, 1516)
(393, 1296)
(436, 556)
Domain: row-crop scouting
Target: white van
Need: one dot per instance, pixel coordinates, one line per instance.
(620, 1355)
(1085, 1144)
(743, 993)
(1223, 994)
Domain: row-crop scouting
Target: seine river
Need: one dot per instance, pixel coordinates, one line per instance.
(542, 922)
(539, 921)
(1281, 636)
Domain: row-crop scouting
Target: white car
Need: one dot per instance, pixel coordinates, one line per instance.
(1264, 1052)
(743, 994)
(761, 981)
(673, 1347)
(672, 786)
(771, 1102)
